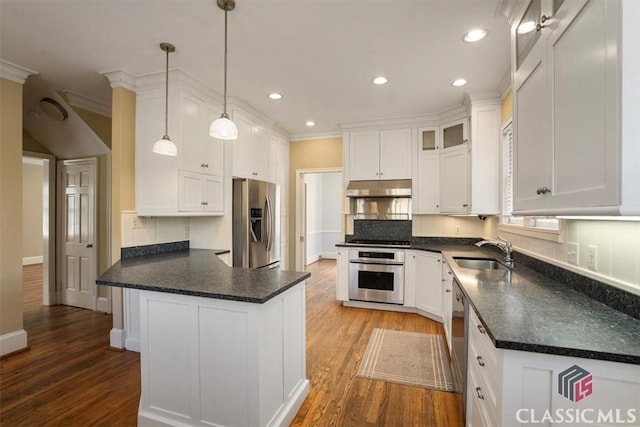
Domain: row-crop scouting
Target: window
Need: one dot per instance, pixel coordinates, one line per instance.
(541, 223)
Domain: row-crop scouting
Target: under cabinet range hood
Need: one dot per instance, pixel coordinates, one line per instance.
(379, 188)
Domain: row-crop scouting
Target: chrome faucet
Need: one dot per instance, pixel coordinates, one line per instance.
(504, 245)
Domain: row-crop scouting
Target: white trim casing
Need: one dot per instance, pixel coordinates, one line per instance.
(120, 78)
(13, 341)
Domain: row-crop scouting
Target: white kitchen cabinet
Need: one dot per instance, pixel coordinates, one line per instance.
(447, 305)
(200, 193)
(426, 188)
(342, 273)
(251, 151)
(176, 186)
(380, 154)
(423, 283)
(514, 388)
(454, 180)
(484, 162)
(454, 134)
(575, 110)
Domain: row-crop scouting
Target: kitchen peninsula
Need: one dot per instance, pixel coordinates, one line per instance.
(219, 345)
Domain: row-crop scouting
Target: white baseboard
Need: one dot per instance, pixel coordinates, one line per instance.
(329, 255)
(13, 341)
(289, 410)
(30, 260)
(313, 259)
(132, 343)
(103, 305)
(116, 338)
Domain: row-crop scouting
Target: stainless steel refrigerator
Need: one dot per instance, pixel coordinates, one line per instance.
(256, 224)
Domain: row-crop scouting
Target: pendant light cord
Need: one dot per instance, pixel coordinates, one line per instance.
(225, 62)
(166, 98)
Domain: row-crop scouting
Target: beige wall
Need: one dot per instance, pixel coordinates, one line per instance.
(308, 154)
(29, 143)
(123, 126)
(507, 106)
(32, 184)
(11, 206)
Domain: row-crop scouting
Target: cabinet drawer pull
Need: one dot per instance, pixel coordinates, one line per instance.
(204, 203)
(479, 393)
(480, 361)
(482, 329)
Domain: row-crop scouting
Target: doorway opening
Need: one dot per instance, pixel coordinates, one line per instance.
(319, 214)
(39, 219)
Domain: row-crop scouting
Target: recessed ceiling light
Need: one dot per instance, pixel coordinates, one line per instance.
(475, 35)
(380, 80)
(275, 95)
(310, 123)
(459, 82)
(526, 27)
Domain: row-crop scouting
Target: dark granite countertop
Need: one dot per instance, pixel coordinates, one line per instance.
(199, 272)
(528, 311)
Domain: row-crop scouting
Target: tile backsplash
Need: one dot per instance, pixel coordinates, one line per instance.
(137, 231)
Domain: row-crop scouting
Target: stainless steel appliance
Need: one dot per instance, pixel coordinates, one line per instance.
(256, 224)
(380, 199)
(459, 334)
(376, 275)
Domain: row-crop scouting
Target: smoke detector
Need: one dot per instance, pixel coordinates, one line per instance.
(53, 109)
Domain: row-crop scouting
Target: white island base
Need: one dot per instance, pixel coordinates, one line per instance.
(214, 362)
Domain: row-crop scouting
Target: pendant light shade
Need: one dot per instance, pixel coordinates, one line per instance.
(164, 145)
(223, 127)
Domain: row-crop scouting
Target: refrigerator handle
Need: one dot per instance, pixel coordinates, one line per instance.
(266, 223)
(269, 223)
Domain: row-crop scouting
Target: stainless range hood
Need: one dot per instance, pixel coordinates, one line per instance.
(379, 188)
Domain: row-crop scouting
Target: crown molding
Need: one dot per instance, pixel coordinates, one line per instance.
(120, 78)
(86, 103)
(14, 72)
(317, 135)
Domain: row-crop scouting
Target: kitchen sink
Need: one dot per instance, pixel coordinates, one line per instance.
(480, 263)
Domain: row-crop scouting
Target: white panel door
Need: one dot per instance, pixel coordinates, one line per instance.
(213, 150)
(242, 148)
(190, 197)
(260, 155)
(428, 184)
(213, 194)
(454, 180)
(395, 154)
(531, 131)
(364, 155)
(78, 222)
(428, 283)
(584, 87)
(191, 133)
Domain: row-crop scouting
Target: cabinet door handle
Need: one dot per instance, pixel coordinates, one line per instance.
(482, 329)
(465, 205)
(205, 165)
(89, 245)
(480, 361)
(464, 141)
(447, 290)
(204, 203)
(479, 393)
(543, 19)
(543, 190)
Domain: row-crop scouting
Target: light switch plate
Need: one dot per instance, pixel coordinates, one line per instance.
(573, 253)
(592, 257)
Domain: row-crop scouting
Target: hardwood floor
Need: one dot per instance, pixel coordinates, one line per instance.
(69, 376)
(337, 337)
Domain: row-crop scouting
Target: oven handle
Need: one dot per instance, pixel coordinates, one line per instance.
(375, 263)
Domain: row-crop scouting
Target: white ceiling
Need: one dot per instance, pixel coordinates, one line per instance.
(320, 54)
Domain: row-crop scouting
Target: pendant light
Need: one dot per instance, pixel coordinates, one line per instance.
(164, 145)
(223, 127)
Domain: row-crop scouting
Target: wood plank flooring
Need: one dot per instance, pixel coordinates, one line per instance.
(69, 377)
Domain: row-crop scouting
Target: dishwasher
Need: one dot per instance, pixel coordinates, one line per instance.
(459, 334)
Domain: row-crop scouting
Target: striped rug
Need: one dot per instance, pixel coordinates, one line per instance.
(409, 358)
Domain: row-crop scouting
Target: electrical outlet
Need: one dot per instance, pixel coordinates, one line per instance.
(573, 254)
(592, 257)
(139, 222)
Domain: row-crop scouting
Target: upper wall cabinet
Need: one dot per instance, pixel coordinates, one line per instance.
(251, 151)
(191, 183)
(576, 127)
(380, 154)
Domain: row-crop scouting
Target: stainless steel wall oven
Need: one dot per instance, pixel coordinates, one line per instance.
(376, 275)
